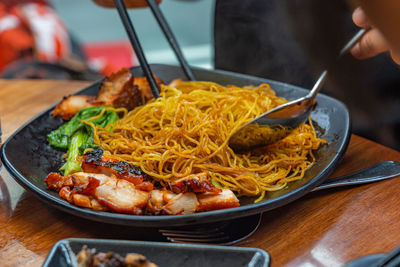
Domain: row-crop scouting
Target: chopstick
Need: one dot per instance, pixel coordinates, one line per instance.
(170, 38)
(120, 5)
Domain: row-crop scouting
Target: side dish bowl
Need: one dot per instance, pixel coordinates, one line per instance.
(63, 253)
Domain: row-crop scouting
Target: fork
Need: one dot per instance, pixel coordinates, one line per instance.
(221, 233)
(234, 231)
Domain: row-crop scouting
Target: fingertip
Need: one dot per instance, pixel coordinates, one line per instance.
(359, 18)
(356, 51)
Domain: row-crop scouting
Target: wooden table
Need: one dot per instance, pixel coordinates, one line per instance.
(326, 228)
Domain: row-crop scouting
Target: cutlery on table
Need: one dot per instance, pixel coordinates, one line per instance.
(234, 231)
(392, 259)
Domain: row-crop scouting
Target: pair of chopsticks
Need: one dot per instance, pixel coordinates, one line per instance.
(120, 5)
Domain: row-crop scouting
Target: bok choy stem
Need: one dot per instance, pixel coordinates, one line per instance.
(77, 136)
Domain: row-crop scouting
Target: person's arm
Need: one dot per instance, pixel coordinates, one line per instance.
(384, 18)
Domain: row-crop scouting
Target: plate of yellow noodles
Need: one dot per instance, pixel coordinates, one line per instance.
(185, 132)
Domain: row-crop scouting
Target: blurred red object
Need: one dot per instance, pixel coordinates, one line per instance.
(49, 33)
(31, 29)
(15, 39)
(32, 33)
(109, 57)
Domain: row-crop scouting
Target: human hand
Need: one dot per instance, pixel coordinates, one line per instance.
(373, 42)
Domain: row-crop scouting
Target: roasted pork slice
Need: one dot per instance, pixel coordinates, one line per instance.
(122, 196)
(224, 200)
(197, 183)
(144, 87)
(81, 200)
(95, 162)
(156, 202)
(183, 203)
(70, 105)
(174, 82)
(119, 90)
(115, 194)
(63, 184)
(55, 181)
(168, 203)
(103, 192)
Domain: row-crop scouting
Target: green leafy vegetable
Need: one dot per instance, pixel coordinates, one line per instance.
(73, 163)
(216, 183)
(77, 136)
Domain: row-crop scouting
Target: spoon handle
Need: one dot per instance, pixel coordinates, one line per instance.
(353, 41)
(318, 85)
(321, 80)
(380, 171)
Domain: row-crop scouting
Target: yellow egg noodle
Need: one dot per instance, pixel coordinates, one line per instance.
(186, 131)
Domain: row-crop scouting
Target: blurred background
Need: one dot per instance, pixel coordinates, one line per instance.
(78, 39)
(102, 35)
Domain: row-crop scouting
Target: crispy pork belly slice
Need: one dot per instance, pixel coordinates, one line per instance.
(197, 183)
(122, 196)
(183, 203)
(174, 82)
(156, 202)
(119, 90)
(108, 191)
(80, 199)
(224, 200)
(70, 105)
(167, 202)
(87, 202)
(95, 162)
(56, 181)
(116, 194)
(144, 87)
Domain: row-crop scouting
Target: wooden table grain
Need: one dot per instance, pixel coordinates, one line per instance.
(324, 228)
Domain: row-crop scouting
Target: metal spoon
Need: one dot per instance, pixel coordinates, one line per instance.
(289, 115)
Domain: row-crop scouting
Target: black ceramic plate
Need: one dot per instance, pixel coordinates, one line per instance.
(29, 158)
(163, 254)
